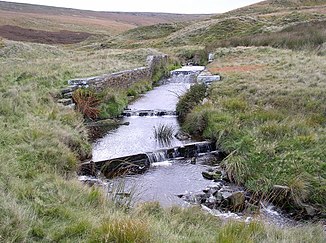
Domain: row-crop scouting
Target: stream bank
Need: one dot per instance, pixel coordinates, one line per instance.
(154, 171)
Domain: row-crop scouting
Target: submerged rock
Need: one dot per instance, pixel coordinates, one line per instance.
(193, 160)
(182, 136)
(215, 175)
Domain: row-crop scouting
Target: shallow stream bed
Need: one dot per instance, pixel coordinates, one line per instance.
(169, 181)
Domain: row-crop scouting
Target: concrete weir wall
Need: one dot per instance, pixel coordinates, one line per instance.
(123, 79)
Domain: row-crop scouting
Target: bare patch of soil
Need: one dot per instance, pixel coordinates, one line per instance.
(242, 68)
(39, 36)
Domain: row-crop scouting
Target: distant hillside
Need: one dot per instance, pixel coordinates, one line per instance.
(272, 16)
(53, 19)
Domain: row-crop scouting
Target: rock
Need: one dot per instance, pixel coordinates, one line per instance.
(219, 197)
(310, 210)
(219, 155)
(211, 57)
(281, 188)
(68, 89)
(124, 123)
(201, 198)
(67, 95)
(182, 135)
(237, 200)
(232, 200)
(193, 160)
(211, 200)
(251, 208)
(71, 106)
(206, 190)
(226, 193)
(205, 100)
(65, 101)
(215, 175)
(225, 177)
(280, 192)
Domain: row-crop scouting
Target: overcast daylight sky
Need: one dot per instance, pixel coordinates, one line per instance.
(167, 6)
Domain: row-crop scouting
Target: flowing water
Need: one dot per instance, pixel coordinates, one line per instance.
(138, 136)
(166, 179)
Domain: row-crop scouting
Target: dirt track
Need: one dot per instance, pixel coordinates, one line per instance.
(45, 37)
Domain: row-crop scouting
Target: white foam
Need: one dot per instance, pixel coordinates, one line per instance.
(162, 164)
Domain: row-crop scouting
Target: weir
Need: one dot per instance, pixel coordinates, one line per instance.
(138, 163)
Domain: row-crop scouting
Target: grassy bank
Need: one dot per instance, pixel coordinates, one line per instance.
(268, 114)
(41, 143)
(304, 36)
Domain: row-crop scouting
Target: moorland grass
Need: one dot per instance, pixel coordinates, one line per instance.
(42, 143)
(304, 36)
(270, 120)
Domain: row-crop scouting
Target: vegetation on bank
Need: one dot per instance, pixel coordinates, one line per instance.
(110, 102)
(310, 35)
(271, 121)
(41, 143)
(189, 100)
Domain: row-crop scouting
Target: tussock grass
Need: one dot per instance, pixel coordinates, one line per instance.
(270, 120)
(302, 36)
(188, 101)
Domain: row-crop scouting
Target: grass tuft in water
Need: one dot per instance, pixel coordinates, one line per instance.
(164, 132)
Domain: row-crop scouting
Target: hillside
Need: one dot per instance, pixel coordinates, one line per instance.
(53, 19)
(261, 18)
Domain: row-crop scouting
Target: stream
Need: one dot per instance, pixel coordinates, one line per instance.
(165, 178)
(170, 181)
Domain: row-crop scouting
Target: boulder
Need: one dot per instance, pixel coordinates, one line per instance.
(182, 136)
(215, 175)
(236, 200)
(310, 210)
(65, 102)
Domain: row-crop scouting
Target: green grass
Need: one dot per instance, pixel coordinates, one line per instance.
(309, 35)
(152, 31)
(188, 101)
(271, 121)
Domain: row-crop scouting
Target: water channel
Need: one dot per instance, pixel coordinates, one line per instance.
(166, 179)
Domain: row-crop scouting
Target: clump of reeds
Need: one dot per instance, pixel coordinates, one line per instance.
(163, 132)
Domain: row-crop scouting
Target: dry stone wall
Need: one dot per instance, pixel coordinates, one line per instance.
(123, 79)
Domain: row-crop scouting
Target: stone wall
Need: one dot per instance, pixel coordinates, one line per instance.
(123, 79)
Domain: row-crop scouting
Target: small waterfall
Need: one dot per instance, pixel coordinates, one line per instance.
(186, 74)
(158, 156)
(202, 148)
(176, 153)
(182, 78)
